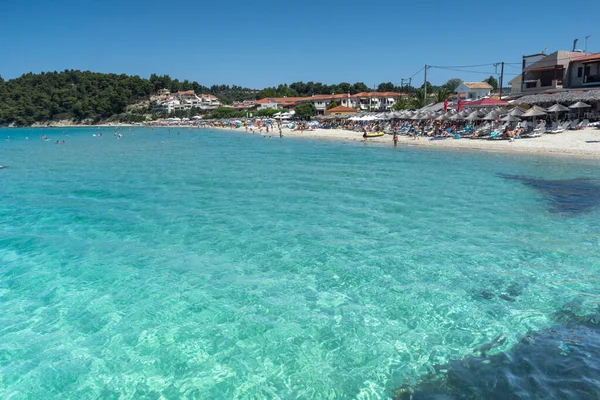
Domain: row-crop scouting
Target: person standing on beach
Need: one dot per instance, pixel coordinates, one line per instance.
(395, 139)
(280, 133)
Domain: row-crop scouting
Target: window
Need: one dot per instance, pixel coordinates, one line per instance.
(579, 72)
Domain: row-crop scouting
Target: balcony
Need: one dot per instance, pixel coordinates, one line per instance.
(538, 86)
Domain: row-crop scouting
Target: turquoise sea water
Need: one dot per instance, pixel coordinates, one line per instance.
(223, 265)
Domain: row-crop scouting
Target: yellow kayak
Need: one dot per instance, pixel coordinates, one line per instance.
(374, 134)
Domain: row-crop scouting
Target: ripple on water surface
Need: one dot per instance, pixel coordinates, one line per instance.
(222, 265)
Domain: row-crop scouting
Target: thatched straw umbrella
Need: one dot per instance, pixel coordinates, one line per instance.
(578, 106)
(517, 112)
(510, 118)
(556, 109)
(474, 116)
(491, 116)
(534, 111)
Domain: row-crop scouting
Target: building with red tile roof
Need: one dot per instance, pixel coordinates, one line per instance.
(340, 110)
(584, 72)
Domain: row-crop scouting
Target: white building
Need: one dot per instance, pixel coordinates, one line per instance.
(474, 90)
(366, 101)
(186, 101)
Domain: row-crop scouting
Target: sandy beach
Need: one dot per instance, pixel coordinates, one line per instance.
(580, 143)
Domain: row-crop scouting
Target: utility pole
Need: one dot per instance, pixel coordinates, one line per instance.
(425, 88)
(501, 79)
(406, 84)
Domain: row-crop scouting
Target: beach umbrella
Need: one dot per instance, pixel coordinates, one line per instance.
(464, 113)
(473, 116)
(457, 117)
(443, 117)
(491, 116)
(556, 109)
(510, 118)
(534, 111)
(517, 112)
(579, 105)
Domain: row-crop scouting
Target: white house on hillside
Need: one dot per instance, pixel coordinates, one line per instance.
(474, 90)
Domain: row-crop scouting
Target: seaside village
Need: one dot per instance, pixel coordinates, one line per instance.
(550, 94)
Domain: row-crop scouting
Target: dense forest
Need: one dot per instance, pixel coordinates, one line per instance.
(68, 95)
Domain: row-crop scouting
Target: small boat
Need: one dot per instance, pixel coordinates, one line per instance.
(374, 134)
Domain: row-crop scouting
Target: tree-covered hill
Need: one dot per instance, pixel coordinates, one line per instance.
(68, 95)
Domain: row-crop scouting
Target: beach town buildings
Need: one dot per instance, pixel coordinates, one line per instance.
(341, 110)
(547, 73)
(560, 70)
(185, 101)
(365, 101)
(474, 90)
(584, 72)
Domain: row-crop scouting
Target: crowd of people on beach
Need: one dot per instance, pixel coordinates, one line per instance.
(435, 125)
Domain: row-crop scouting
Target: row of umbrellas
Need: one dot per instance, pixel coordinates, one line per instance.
(537, 111)
(513, 115)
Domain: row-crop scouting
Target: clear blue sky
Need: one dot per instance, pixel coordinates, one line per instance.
(258, 44)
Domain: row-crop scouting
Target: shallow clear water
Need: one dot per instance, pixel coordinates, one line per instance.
(223, 265)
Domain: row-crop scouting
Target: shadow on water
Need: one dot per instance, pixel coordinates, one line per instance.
(558, 363)
(567, 196)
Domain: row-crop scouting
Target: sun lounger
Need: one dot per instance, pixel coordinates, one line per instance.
(540, 128)
(553, 127)
(583, 124)
(563, 127)
(574, 124)
(531, 135)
